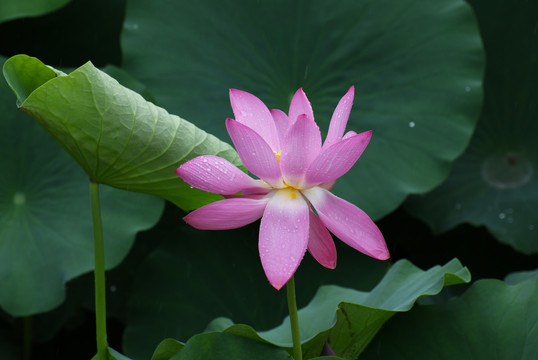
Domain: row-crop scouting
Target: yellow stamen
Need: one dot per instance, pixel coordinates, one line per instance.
(277, 154)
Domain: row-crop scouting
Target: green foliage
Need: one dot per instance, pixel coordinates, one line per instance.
(359, 315)
(45, 236)
(417, 66)
(492, 320)
(13, 9)
(196, 276)
(494, 183)
(113, 355)
(166, 349)
(117, 137)
(223, 346)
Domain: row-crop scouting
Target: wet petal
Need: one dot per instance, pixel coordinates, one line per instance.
(349, 223)
(300, 105)
(339, 118)
(255, 153)
(283, 235)
(282, 124)
(301, 146)
(349, 134)
(335, 160)
(217, 175)
(252, 112)
(228, 213)
(320, 243)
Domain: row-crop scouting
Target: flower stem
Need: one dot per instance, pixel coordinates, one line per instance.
(99, 273)
(294, 320)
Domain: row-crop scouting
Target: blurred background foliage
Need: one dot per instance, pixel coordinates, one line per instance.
(449, 88)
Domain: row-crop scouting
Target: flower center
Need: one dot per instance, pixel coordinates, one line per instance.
(286, 185)
(290, 192)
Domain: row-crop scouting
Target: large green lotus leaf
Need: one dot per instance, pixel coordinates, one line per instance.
(491, 320)
(359, 315)
(517, 277)
(416, 64)
(166, 349)
(195, 276)
(224, 346)
(495, 182)
(13, 9)
(117, 137)
(45, 221)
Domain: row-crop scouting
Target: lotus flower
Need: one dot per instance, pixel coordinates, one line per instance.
(291, 196)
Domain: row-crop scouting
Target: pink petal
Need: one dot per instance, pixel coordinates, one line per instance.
(300, 105)
(217, 175)
(255, 153)
(349, 223)
(328, 185)
(301, 146)
(320, 243)
(282, 124)
(339, 118)
(335, 160)
(252, 112)
(228, 213)
(283, 235)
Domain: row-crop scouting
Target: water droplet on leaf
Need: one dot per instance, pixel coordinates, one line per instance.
(19, 199)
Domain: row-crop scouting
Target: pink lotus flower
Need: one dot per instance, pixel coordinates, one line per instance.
(296, 172)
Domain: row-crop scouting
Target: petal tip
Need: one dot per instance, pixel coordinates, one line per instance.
(278, 283)
(351, 93)
(234, 91)
(383, 256)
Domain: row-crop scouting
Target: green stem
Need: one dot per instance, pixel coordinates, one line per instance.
(99, 273)
(294, 320)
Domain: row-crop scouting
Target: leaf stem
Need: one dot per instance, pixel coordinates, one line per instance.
(99, 273)
(294, 320)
